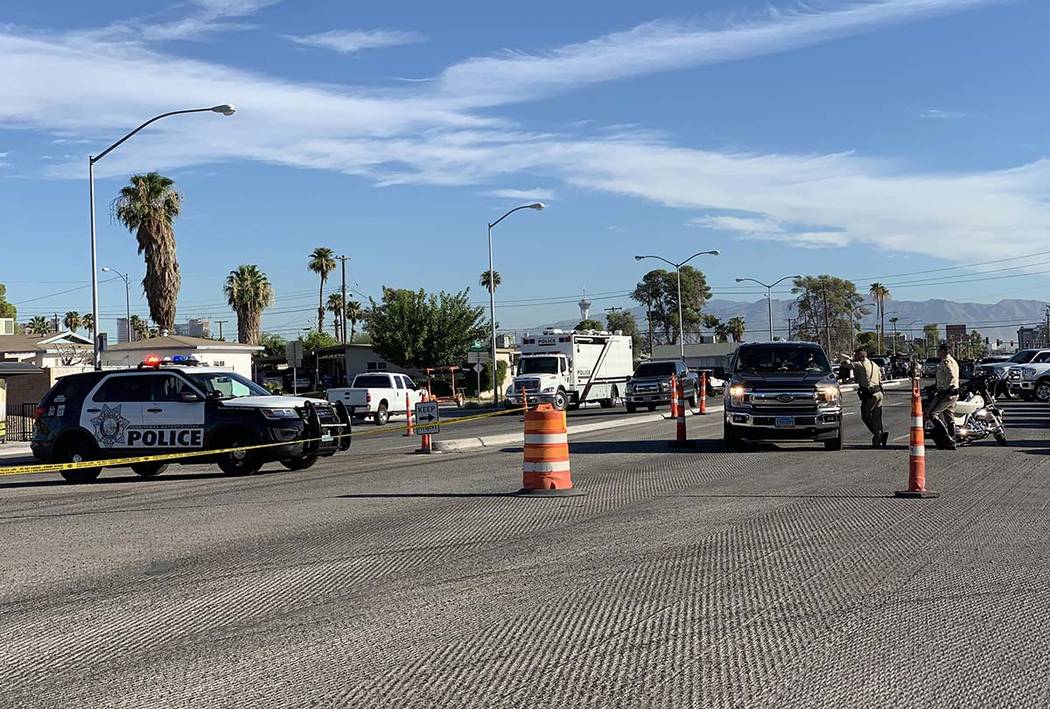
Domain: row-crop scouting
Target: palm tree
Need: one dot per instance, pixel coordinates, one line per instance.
(88, 321)
(248, 291)
(880, 292)
(497, 281)
(149, 206)
(354, 312)
(322, 262)
(736, 327)
(335, 307)
(72, 321)
(38, 325)
(137, 328)
(722, 332)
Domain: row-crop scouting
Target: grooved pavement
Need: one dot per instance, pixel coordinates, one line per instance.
(775, 578)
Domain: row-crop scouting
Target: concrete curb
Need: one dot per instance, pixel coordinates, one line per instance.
(454, 445)
(15, 450)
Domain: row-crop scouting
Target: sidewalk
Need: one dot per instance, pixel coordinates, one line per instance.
(15, 452)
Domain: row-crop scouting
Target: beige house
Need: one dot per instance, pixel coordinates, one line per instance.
(213, 353)
(63, 349)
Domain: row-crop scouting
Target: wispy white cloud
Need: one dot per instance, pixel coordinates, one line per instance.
(665, 45)
(738, 224)
(940, 115)
(536, 195)
(764, 228)
(207, 17)
(353, 41)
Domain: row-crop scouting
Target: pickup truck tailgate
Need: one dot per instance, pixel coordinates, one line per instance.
(356, 398)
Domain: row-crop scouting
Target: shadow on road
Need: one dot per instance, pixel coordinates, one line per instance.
(792, 497)
(399, 495)
(647, 446)
(127, 479)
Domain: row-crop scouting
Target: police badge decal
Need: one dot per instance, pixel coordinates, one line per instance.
(110, 425)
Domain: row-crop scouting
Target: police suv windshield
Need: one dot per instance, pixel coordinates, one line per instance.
(227, 384)
(538, 365)
(782, 358)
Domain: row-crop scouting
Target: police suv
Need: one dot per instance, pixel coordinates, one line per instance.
(175, 405)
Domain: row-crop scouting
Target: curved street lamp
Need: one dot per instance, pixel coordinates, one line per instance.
(225, 109)
(538, 206)
(769, 296)
(127, 297)
(678, 270)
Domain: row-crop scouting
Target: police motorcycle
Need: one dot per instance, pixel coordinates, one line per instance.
(976, 415)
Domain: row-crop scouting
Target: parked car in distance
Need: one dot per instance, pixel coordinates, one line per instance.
(883, 364)
(1001, 375)
(716, 383)
(929, 367)
(650, 386)
(378, 395)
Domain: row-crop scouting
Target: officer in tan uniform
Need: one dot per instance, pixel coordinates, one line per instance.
(869, 388)
(943, 406)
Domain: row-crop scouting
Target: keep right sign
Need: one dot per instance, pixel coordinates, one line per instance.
(428, 417)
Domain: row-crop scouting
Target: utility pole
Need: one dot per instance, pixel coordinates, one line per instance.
(342, 309)
(827, 318)
(1046, 332)
(220, 323)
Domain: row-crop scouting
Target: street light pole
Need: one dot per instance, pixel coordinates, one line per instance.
(492, 295)
(127, 293)
(225, 109)
(769, 297)
(678, 271)
(342, 308)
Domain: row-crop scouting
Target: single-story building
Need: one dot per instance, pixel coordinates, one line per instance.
(703, 355)
(213, 353)
(19, 426)
(62, 349)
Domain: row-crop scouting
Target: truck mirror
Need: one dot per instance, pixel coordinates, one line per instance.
(189, 397)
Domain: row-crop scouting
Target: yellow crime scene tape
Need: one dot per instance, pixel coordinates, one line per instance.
(112, 462)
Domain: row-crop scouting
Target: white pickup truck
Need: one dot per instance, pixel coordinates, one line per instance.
(378, 395)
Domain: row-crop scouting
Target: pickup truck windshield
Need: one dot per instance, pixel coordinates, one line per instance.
(372, 381)
(782, 358)
(655, 369)
(228, 384)
(1023, 357)
(538, 365)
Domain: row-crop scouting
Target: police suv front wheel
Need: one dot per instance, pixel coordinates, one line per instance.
(242, 462)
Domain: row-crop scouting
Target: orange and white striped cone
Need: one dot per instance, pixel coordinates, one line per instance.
(545, 468)
(674, 397)
(681, 439)
(917, 456)
(409, 430)
(703, 393)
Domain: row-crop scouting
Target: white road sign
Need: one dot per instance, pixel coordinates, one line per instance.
(428, 417)
(479, 367)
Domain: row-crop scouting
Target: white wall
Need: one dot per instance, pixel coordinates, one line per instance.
(239, 361)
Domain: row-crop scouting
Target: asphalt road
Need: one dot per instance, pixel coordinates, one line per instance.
(781, 577)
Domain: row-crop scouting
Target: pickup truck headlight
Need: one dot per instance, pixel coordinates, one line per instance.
(738, 395)
(548, 390)
(828, 393)
(1027, 373)
(280, 413)
(664, 386)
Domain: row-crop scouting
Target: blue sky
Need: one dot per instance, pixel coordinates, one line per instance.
(863, 139)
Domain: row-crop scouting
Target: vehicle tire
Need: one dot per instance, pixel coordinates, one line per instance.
(731, 439)
(149, 470)
(651, 407)
(1042, 391)
(76, 450)
(299, 463)
(835, 444)
(561, 402)
(1000, 438)
(606, 403)
(382, 415)
(694, 402)
(241, 462)
(631, 408)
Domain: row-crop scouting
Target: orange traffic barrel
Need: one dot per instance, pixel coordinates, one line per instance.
(545, 469)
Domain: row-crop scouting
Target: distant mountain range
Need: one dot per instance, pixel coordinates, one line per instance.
(999, 320)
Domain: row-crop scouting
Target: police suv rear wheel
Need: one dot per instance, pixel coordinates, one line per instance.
(77, 450)
(149, 470)
(299, 463)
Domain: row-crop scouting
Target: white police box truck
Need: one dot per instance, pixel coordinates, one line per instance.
(567, 369)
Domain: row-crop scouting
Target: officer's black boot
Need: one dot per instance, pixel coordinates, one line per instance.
(949, 425)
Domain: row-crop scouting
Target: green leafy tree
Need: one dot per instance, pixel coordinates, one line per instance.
(413, 329)
(322, 262)
(588, 324)
(71, 321)
(736, 327)
(497, 281)
(624, 321)
(931, 337)
(7, 310)
(828, 309)
(272, 344)
(658, 292)
(315, 340)
(148, 206)
(248, 292)
(648, 292)
(867, 341)
(335, 306)
(138, 328)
